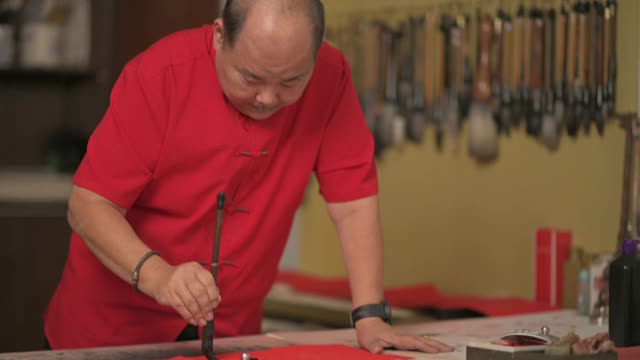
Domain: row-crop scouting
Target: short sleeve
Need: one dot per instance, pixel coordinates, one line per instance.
(124, 148)
(345, 166)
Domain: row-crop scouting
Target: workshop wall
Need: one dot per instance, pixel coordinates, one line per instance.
(469, 228)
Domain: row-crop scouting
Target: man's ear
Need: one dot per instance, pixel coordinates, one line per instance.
(218, 34)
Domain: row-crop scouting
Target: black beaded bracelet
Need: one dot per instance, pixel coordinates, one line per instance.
(135, 276)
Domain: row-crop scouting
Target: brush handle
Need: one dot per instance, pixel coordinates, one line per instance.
(216, 235)
(208, 331)
(207, 340)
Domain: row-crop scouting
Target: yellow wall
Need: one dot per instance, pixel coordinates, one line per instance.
(469, 228)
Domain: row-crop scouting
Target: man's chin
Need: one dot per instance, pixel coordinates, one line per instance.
(255, 115)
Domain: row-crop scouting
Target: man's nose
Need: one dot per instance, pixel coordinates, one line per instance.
(267, 97)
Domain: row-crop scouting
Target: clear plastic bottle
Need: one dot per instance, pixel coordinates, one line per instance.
(584, 298)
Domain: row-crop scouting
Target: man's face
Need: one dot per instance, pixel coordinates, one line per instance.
(268, 67)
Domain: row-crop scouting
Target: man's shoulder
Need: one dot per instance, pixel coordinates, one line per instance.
(331, 59)
(179, 48)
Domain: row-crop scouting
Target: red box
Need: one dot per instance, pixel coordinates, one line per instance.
(552, 248)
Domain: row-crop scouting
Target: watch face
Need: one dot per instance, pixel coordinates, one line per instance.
(387, 311)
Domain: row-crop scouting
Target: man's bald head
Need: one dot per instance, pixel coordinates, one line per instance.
(236, 12)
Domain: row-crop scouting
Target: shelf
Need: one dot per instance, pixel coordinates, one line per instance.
(45, 76)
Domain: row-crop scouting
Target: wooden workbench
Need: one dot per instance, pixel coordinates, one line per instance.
(152, 351)
(456, 333)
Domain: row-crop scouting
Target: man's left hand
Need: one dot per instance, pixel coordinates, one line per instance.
(375, 335)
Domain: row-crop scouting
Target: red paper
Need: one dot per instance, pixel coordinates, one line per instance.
(307, 352)
(420, 296)
(335, 287)
(551, 252)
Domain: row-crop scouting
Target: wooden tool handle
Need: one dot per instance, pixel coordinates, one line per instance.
(549, 49)
(454, 60)
(464, 61)
(611, 79)
(516, 59)
(429, 54)
(448, 36)
(482, 89)
(438, 62)
(606, 44)
(497, 43)
(613, 8)
(418, 45)
(536, 64)
(461, 53)
(572, 39)
(506, 51)
(583, 55)
(560, 47)
(598, 52)
(527, 26)
(589, 44)
(418, 59)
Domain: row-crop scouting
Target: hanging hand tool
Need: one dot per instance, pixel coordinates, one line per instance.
(606, 60)
(581, 87)
(428, 63)
(389, 115)
(506, 51)
(370, 80)
(595, 72)
(439, 71)
(483, 133)
(482, 83)
(399, 90)
(549, 124)
(527, 50)
(453, 65)
(417, 113)
(516, 67)
(572, 85)
(495, 60)
(209, 329)
(584, 64)
(611, 59)
(559, 72)
(464, 78)
(381, 135)
(536, 72)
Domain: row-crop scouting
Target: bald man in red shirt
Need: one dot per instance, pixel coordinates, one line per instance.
(250, 106)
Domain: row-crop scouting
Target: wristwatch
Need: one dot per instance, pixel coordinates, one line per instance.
(381, 310)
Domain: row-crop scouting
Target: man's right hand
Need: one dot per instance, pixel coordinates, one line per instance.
(188, 288)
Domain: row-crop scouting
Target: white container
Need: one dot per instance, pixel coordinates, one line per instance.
(7, 45)
(77, 47)
(42, 46)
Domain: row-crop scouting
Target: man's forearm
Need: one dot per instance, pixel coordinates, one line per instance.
(358, 227)
(102, 226)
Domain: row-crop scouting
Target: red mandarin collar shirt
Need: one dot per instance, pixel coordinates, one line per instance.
(168, 143)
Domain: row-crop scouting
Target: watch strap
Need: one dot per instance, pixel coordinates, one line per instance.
(381, 310)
